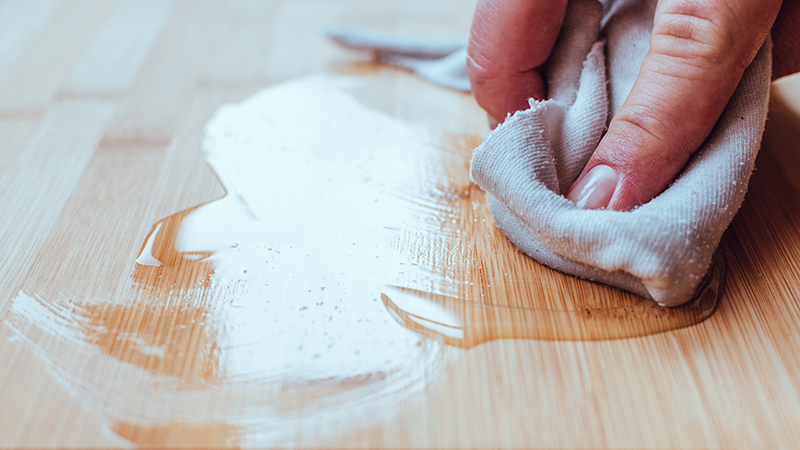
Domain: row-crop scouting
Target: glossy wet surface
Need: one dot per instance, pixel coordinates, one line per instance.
(337, 278)
(465, 323)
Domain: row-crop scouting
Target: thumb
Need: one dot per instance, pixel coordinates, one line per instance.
(699, 50)
(509, 39)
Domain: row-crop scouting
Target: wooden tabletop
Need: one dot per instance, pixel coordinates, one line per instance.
(310, 266)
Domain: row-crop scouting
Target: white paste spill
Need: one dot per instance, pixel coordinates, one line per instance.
(282, 328)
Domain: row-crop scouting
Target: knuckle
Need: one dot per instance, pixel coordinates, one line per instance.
(697, 32)
(649, 129)
(651, 136)
(644, 120)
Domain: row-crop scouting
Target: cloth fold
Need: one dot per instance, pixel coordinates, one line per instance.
(442, 61)
(661, 250)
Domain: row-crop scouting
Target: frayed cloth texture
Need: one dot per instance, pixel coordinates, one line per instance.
(661, 250)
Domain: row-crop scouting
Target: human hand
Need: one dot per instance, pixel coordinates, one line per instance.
(698, 53)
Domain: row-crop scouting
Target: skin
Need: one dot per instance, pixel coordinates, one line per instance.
(699, 50)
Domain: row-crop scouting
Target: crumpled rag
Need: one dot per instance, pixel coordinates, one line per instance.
(662, 249)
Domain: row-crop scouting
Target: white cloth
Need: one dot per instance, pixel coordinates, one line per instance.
(660, 250)
(442, 61)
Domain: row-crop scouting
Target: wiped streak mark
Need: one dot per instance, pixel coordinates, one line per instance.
(258, 314)
(258, 317)
(463, 323)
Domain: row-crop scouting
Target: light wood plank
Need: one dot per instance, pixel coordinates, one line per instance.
(20, 23)
(34, 80)
(158, 99)
(83, 181)
(34, 189)
(112, 59)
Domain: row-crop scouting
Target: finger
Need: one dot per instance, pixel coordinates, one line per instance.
(509, 39)
(786, 40)
(698, 53)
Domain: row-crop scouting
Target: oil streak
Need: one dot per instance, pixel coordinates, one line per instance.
(258, 316)
(464, 323)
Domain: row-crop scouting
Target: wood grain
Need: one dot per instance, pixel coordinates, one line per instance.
(102, 110)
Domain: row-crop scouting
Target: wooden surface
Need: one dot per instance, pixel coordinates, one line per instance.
(102, 110)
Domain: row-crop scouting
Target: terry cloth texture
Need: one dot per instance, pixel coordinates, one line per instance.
(661, 250)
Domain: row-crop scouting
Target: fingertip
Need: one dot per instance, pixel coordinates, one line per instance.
(594, 189)
(500, 92)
